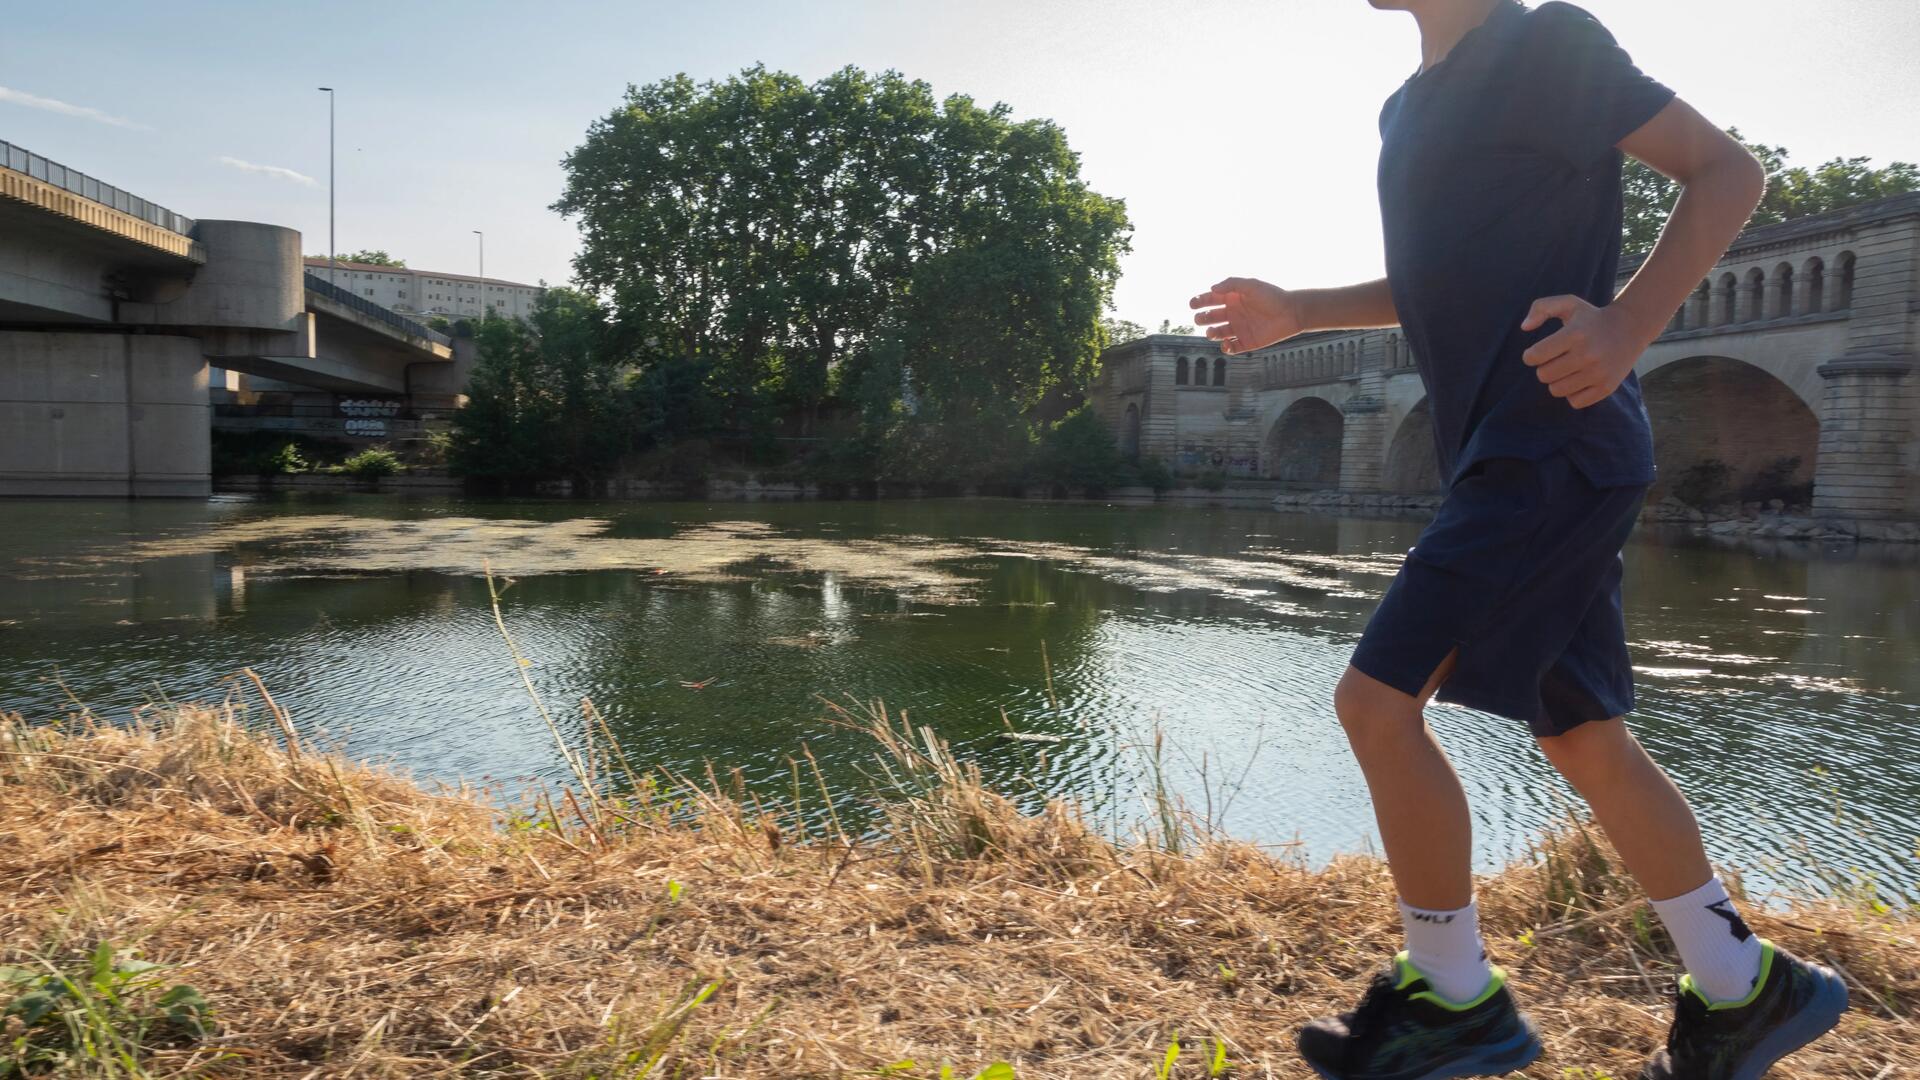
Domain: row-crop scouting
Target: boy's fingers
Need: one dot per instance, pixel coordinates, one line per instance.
(1550, 307)
(1219, 331)
(1232, 284)
(1573, 385)
(1555, 345)
(1559, 367)
(1205, 299)
(1210, 316)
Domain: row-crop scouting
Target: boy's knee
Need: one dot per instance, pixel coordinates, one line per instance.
(1373, 713)
(1591, 754)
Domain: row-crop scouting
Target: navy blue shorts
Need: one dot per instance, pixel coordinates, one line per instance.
(1520, 570)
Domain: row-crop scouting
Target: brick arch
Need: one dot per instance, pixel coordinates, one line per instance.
(1302, 447)
(1413, 463)
(1719, 409)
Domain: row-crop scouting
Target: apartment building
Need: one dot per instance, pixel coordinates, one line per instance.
(429, 292)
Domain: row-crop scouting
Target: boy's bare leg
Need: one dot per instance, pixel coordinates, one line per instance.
(1417, 799)
(1643, 813)
(1655, 832)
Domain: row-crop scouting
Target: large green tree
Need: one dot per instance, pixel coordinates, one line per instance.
(854, 240)
(1792, 191)
(547, 397)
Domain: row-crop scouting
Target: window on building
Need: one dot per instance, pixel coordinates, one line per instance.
(1180, 372)
(369, 292)
(1220, 371)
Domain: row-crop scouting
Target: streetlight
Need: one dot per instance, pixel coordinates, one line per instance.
(331, 248)
(483, 272)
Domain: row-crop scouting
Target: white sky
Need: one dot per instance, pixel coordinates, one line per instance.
(1241, 134)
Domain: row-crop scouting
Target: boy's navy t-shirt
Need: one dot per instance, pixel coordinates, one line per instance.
(1500, 185)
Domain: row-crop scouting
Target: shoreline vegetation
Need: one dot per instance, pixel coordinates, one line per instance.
(190, 894)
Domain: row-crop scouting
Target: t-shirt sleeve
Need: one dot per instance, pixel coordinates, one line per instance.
(1580, 93)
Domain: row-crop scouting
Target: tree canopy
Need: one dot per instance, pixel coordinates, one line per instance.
(368, 256)
(1792, 191)
(852, 243)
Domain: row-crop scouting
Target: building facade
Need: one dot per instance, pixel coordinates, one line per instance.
(1792, 368)
(430, 292)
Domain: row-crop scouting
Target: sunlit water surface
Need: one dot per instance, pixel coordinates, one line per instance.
(1781, 686)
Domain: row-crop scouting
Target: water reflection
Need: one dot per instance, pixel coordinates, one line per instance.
(1777, 683)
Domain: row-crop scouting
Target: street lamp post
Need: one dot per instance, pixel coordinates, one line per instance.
(331, 248)
(483, 272)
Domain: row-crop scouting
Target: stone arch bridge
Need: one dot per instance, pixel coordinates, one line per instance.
(1789, 373)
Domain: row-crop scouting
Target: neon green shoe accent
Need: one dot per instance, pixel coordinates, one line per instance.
(1410, 975)
(1688, 986)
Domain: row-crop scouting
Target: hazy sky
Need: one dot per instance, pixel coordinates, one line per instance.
(1241, 134)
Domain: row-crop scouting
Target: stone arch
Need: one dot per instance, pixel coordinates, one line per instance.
(1813, 277)
(1413, 463)
(1725, 300)
(1219, 371)
(1780, 290)
(1753, 296)
(1302, 449)
(1699, 305)
(1180, 372)
(1130, 433)
(1842, 285)
(1725, 430)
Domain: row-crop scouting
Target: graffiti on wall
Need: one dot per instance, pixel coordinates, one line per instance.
(367, 417)
(1197, 459)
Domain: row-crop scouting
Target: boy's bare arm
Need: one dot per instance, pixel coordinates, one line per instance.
(1720, 184)
(1243, 314)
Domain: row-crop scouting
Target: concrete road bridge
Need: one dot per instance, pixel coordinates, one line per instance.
(1791, 368)
(114, 311)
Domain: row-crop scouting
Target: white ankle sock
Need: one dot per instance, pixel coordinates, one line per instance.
(1721, 954)
(1445, 946)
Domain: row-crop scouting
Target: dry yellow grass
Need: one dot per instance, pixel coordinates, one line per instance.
(345, 922)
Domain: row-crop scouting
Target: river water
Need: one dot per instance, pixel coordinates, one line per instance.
(1780, 685)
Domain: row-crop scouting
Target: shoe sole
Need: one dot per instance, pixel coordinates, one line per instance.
(1511, 1056)
(1816, 1019)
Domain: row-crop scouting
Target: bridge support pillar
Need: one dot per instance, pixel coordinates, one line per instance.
(1868, 439)
(1363, 444)
(102, 414)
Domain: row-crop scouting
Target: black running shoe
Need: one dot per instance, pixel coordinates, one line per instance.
(1792, 1004)
(1402, 1030)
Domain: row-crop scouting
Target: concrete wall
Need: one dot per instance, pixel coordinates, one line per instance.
(102, 414)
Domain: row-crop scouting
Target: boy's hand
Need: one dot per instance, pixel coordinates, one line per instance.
(1243, 314)
(1590, 355)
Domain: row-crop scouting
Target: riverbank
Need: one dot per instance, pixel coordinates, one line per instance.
(335, 919)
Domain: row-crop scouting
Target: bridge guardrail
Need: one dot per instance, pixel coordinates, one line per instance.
(367, 307)
(22, 160)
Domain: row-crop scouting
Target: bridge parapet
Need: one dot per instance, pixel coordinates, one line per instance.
(28, 178)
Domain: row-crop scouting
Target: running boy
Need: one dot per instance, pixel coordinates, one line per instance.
(1500, 196)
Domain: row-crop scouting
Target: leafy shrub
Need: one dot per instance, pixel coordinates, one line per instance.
(1211, 480)
(1153, 473)
(372, 464)
(1704, 483)
(271, 453)
(287, 459)
(1079, 452)
(1775, 481)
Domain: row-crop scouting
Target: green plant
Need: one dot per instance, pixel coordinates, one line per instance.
(1153, 473)
(287, 459)
(372, 464)
(1775, 480)
(102, 1017)
(1211, 480)
(1704, 483)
